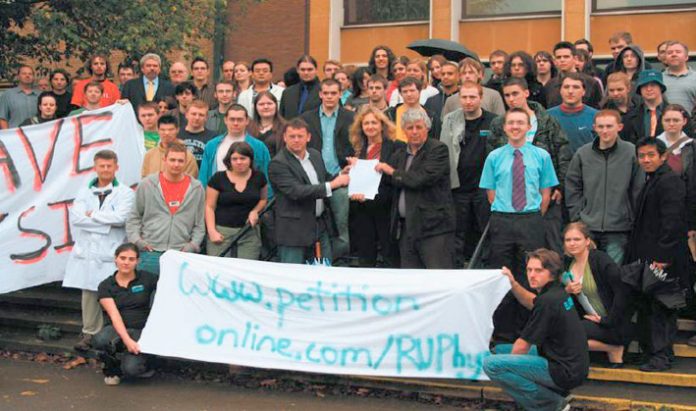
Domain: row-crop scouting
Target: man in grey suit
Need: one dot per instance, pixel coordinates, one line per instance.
(301, 185)
(149, 86)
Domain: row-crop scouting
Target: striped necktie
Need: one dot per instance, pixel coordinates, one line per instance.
(519, 195)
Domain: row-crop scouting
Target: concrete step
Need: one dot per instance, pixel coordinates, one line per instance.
(682, 374)
(25, 340)
(50, 297)
(20, 317)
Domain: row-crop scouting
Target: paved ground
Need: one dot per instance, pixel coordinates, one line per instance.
(34, 386)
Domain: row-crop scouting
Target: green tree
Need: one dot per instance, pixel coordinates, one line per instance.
(55, 30)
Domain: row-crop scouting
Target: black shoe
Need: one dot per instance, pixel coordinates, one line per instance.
(85, 343)
(655, 365)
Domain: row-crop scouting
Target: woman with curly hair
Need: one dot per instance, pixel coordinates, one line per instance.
(372, 136)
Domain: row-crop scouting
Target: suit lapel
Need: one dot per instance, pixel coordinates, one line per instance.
(295, 166)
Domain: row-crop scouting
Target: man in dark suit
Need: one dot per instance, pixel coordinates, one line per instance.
(659, 238)
(329, 127)
(303, 96)
(302, 185)
(422, 218)
(149, 86)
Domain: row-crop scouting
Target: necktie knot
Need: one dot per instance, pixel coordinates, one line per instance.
(518, 153)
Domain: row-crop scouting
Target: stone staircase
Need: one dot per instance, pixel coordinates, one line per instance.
(22, 312)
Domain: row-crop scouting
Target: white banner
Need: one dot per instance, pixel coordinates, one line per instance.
(43, 167)
(402, 323)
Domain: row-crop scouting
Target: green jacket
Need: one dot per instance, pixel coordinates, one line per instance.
(549, 136)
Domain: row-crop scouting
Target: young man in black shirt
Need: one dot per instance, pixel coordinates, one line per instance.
(551, 356)
(194, 134)
(465, 132)
(126, 297)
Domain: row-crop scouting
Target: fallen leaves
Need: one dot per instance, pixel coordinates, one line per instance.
(36, 380)
(74, 363)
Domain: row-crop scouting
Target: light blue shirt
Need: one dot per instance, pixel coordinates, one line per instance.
(155, 83)
(17, 106)
(538, 174)
(328, 149)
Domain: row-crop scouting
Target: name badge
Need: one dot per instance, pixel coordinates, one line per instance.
(137, 289)
(174, 203)
(484, 133)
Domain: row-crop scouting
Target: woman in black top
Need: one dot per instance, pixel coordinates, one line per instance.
(372, 136)
(593, 279)
(47, 106)
(267, 124)
(235, 197)
(126, 298)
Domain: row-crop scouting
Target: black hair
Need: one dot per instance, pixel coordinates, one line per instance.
(528, 62)
(127, 247)
(649, 141)
(390, 60)
(262, 61)
(199, 60)
(514, 81)
(306, 58)
(60, 71)
(586, 42)
(290, 77)
(168, 119)
(240, 147)
(356, 80)
(564, 45)
(43, 95)
(183, 86)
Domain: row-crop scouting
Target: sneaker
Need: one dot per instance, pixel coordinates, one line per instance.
(112, 380)
(85, 343)
(147, 374)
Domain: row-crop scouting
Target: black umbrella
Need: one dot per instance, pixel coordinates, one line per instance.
(450, 49)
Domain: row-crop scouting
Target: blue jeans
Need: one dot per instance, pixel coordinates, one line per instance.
(149, 261)
(614, 244)
(301, 255)
(117, 360)
(340, 207)
(525, 378)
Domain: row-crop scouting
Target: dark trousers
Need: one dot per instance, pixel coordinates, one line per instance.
(369, 231)
(657, 328)
(431, 252)
(473, 211)
(553, 224)
(511, 236)
(117, 360)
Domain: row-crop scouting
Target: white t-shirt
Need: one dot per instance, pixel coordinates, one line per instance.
(222, 150)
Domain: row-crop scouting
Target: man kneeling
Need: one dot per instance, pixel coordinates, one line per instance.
(551, 356)
(126, 297)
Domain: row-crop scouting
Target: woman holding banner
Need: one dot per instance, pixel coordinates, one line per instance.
(372, 136)
(126, 297)
(47, 105)
(235, 197)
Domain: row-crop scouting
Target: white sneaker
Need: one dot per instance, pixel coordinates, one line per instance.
(113, 380)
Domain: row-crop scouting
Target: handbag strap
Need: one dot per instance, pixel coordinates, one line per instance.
(676, 145)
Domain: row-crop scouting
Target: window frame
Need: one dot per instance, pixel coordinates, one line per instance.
(540, 14)
(642, 9)
(348, 24)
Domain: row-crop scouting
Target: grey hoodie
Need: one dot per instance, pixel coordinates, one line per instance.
(601, 187)
(151, 223)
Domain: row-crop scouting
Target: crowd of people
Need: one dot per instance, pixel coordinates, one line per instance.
(551, 155)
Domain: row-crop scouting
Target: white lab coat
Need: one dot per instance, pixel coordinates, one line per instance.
(96, 237)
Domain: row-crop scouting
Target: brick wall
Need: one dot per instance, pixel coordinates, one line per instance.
(274, 29)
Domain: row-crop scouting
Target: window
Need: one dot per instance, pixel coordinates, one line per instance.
(385, 11)
(607, 5)
(501, 8)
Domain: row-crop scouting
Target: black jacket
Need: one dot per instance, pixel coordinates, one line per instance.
(429, 204)
(436, 123)
(593, 91)
(435, 103)
(614, 294)
(634, 123)
(291, 99)
(389, 148)
(342, 145)
(295, 220)
(134, 91)
(660, 227)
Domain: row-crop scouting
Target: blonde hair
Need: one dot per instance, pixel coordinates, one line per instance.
(583, 229)
(357, 137)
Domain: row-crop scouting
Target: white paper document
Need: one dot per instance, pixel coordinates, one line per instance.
(364, 179)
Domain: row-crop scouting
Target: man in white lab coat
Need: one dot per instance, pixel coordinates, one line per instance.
(98, 218)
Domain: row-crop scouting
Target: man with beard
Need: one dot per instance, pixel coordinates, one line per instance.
(98, 68)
